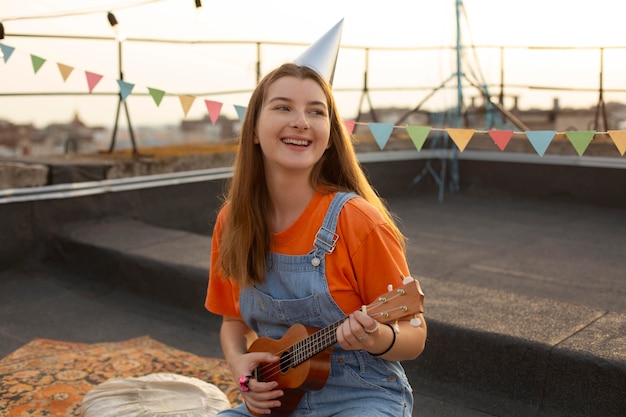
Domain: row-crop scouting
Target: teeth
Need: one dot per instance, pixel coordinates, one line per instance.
(295, 142)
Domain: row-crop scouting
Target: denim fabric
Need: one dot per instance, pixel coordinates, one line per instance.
(296, 291)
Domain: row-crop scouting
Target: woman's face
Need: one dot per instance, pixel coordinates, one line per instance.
(293, 128)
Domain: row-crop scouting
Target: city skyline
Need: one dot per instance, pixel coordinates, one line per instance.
(192, 68)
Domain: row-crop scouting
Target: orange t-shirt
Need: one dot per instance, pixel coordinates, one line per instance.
(366, 259)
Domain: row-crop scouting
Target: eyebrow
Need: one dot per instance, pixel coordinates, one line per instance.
(280, 98)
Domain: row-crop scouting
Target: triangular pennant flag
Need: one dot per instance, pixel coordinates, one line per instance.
(213, 108)
(92, 80)
(501, 137)
(6, 51)
(580, 139)
(381, 132)
(619, 139)
(37, 62)
(125, 89)
(349, 125)
(241, 112)
(418, 135)
(461, 137)
(65, 70)
(186, 101)
(157, 95)
(540, 139)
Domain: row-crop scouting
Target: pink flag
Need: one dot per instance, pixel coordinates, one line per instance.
(92, 80)
(214, 108)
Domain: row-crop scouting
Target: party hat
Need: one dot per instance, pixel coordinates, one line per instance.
(322, 55)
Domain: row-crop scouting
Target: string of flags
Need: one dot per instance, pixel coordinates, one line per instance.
(539, 139)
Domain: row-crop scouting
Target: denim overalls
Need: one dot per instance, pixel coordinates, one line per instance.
(296, 291)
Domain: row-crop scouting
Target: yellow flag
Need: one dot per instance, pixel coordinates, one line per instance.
(461, 136)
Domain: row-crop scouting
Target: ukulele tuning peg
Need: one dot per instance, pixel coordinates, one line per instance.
(415, 322)
(406, 280)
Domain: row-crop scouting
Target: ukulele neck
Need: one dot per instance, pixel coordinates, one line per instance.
(315, 343)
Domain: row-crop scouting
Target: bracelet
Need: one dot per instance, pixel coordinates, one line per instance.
(393, 341)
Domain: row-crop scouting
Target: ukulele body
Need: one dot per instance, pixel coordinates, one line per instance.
(293, 376)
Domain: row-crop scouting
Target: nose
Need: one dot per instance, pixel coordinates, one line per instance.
(300, 120)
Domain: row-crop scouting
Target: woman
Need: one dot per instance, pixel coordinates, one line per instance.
(273, 264)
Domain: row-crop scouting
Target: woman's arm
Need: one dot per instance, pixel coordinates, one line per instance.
(361, 332)
(236, 337)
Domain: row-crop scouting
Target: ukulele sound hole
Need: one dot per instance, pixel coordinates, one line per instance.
(285, 361)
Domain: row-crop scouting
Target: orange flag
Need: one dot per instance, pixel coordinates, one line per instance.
(186, 101)
(65, 70)
(461, 137)
(619, 139)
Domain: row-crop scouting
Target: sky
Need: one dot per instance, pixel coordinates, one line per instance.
(410, 46)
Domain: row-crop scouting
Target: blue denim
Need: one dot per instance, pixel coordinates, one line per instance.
(296, 291)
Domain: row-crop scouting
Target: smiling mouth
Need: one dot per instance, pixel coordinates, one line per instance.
(297, 142)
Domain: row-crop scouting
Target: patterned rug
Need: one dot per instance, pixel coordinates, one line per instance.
(50, 378)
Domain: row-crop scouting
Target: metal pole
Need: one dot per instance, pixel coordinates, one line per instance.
(121, 102)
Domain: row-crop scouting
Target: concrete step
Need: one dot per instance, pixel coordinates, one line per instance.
(491, 351)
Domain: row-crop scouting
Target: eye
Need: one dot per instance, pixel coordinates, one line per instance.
(318, 112)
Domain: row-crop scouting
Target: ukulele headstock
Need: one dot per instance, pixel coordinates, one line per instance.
(403, 302)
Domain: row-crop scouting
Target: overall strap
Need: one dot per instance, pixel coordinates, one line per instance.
(326, 238)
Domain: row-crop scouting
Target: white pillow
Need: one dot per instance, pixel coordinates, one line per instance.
(154, 395)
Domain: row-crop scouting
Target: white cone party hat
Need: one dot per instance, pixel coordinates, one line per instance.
(322, 55)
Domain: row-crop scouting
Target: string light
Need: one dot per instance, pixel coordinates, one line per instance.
(200, 12)
(116, 27)
(1, 37)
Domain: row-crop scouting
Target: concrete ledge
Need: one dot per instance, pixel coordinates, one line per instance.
(168, 265)
(532, 356)
(17, 174)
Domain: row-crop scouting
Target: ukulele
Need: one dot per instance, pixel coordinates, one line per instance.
(304, 351)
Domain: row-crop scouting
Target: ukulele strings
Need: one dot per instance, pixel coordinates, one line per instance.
(276, 367)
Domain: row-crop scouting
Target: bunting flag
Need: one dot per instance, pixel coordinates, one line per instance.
(241, 112)
(65, 71)
(619, 139)
(157, 95)
(92, 80)
(37, 62)
(580, 139)
(540, 139)
(381, 132)
(125, 89)
(461, 137)
(501, 137)
(418, 135)
(6, 52)
(186, 101)
(349, 125)
(213, 108)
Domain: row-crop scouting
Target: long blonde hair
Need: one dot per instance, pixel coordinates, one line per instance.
(246, 238)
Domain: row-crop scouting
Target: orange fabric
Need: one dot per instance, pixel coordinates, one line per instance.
(366, 260)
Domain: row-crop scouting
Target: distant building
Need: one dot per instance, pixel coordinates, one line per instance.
(15, 140)
(204, 130)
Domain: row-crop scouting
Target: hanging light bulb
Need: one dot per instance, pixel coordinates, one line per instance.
(119, 34)
(200, 12)
(1, 37)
